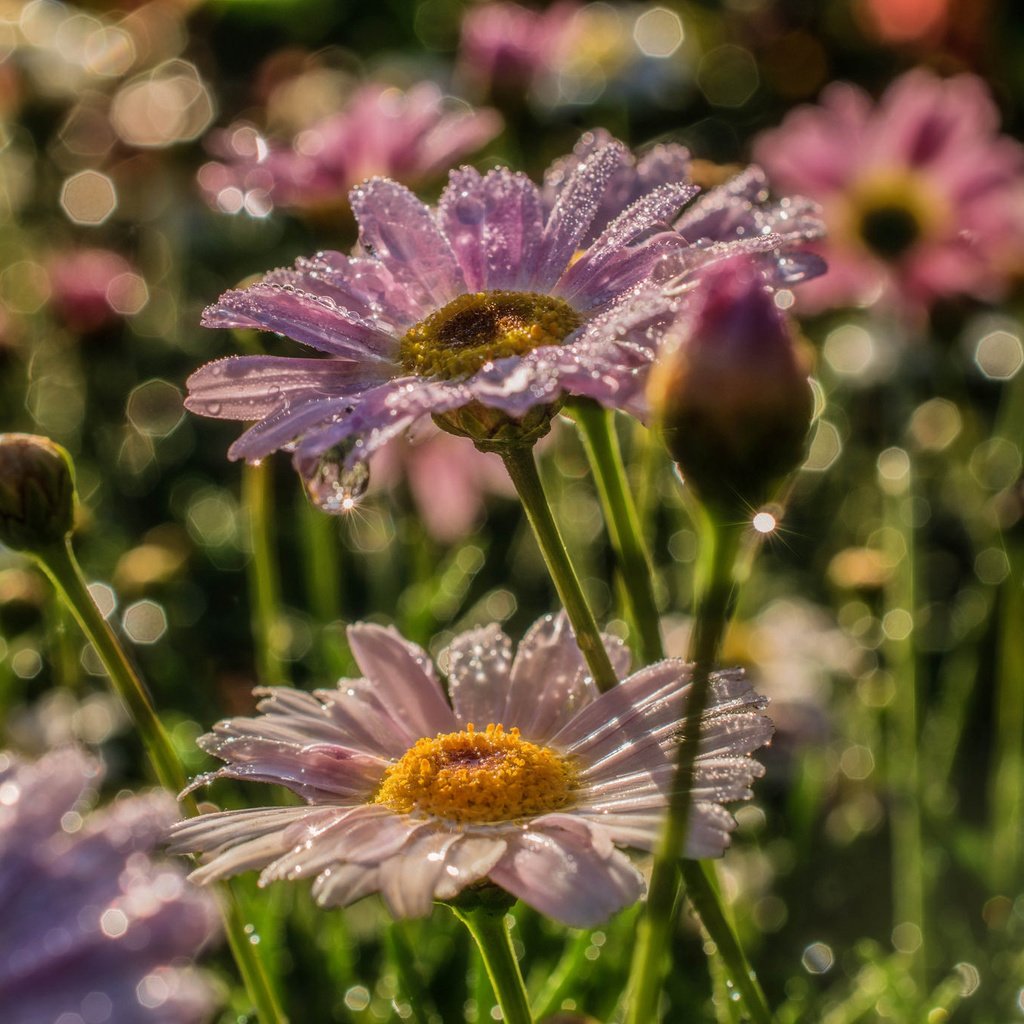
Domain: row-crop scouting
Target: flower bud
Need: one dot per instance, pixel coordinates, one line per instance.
(730, 392)
(37, 492)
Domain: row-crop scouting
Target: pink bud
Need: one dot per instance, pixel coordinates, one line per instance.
(730, 391)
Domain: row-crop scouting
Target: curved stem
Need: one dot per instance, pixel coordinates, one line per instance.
(60, 564)
(597, 431)
(601, 443)
(491, 934)
(523, 470)
(714, 607)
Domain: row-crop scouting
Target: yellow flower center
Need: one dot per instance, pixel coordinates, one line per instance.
(472, 776)
(891, 211)
(477, 328)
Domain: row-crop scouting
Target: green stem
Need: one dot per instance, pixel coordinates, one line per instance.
(491, 934)
(597, 431)
(403, 959)
(523, 470)
(904, 769)
(60, 564)
(714, 607)
(702, 890)
(1007, 778)
(560, 980)
(264, 588)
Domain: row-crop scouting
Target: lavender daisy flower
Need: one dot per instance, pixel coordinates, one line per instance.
(529, 779)
(91, 928)
(741, 207)
(411, 136)
(478, 312)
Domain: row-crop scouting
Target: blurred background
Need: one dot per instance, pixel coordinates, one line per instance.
(154, 154)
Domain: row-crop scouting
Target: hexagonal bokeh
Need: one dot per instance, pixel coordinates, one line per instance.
(88, 197)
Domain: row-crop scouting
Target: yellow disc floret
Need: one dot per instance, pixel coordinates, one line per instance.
(475, 777)
(479, 327)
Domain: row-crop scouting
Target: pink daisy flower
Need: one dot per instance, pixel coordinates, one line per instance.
(922, 197)
(410, 136)
(489, 306)
(528, 779)
(92, 928)
(507, 46)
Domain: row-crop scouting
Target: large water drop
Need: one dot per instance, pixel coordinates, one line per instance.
(333, 488)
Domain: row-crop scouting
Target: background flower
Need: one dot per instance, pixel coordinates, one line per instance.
(409, 136)
(91, 927)
(922, 197)
(537, 804)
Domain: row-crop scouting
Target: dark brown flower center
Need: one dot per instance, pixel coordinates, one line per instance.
(477, 328)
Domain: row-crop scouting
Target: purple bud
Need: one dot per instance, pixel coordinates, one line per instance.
(37, 492)
(730, 391)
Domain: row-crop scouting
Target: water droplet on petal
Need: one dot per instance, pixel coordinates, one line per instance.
(333, 488)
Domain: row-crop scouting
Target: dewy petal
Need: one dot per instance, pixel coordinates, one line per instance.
(408, 685)
(561, 874)
(494, 224)
(313, 319)
(289, 423)
(376, 416)
(573, 214)
(548, 681)
(650, 211)
(253, 387)
(399, 230)
(409, 878)
(479, 663)
(467, 862)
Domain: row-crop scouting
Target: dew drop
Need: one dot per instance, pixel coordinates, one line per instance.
(333, 488)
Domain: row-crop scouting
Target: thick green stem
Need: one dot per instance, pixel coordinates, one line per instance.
(904, 770)
(523, 470)
(601, 443)
(714, 606)
(491, 934)
(60, 565)
(597, 430)
(264, 588)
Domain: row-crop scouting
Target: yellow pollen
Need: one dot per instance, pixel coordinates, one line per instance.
(472, 776)
(476, 328)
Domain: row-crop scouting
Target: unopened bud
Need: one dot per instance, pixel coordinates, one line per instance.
(730, 391)
(37, 492)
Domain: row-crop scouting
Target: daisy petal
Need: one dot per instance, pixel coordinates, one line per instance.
(562, 875)
(408, 685)
(399, 231)
(478, 672)
(494, 224)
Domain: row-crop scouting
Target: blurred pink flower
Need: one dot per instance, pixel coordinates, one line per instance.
(529, 778)
(508, 46)
(91, 927)
(92, 288)
(922, 197)
(409, 136)
(449, 480)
